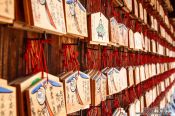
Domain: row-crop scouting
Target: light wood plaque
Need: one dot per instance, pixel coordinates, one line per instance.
(77, 91)
(114, 31)
(7, 8)
(8, 101)
(45, 14)
(76, 18)
(98, 29)
(46, 98)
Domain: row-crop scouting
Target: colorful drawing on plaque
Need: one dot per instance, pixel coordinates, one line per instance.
(46, 14)
(123, 35)
(112, 75)
(72, 4)
(76, 18)
(46, 98)
(100, 29)
(41, 97)
(114, 30)
(77, 91)
(73, 86)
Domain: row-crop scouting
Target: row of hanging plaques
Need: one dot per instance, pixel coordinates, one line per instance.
(49, 15)
(72, 91)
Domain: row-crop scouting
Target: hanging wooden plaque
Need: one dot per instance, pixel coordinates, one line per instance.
(153, 43)
(141, 12)
(45, 14)
(123, 35)
(7, 9)
(113, 85)
(22, 84)
(155, 25)
(142, 73)
(46, 98)
(138, 41)
(98, 88)
(147, 99)
(137, 106)
(158, 68)
(123, 78)
(137, 75)
(77, 91)
(131, 39)
(76, 18)
(141, 104)
(147, 75)
(143, 41)
(8, 101)
(131, 110)
(98, 29)
(128, 4)
(136, 8)
(157, 6)
(153, 69)
(150, 70)
(145, 16)
(130, 76)
(161, 11)
(114, 31)
(149, 45)
(146, 44)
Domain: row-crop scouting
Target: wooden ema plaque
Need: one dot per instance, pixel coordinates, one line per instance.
(46, 98)
(138, 41)
(131, 110)
(141, 12)
(113, 85)
(76, 18)
(77, 91)
(7, 8)
(145, 16)
(22, 84)
(137, 75)
(123, 35)
(130, 75)
(98, 29)
(131, 39)
(137, 106)
(8, 101)
(146, 48)
(123, 78)
(45, 14)
(136, 8)
(114, 31)
(98, 88)
(143, 41)
(141, 104)
(146, 71)
(119, 112)
(142, 73)
(128, 4)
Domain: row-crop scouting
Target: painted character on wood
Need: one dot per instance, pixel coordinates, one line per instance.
(42, 100)
(100, 30)
(72, 4)
(41, 97)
